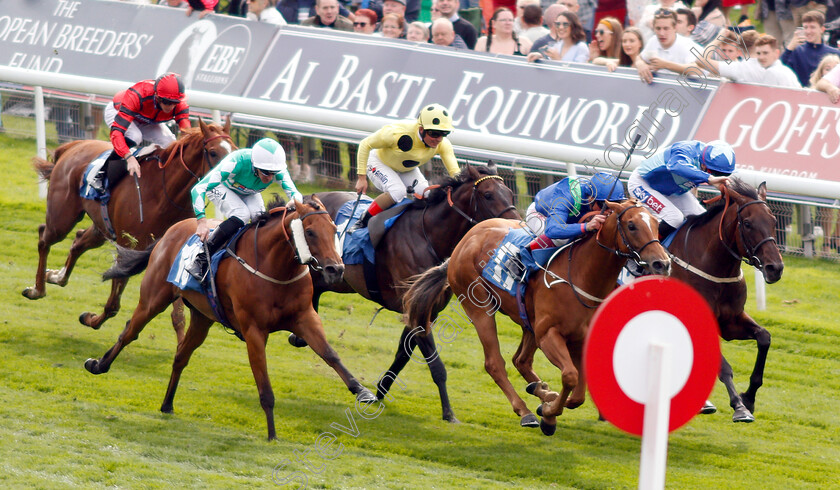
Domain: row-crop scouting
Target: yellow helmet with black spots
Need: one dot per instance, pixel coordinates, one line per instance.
(435, 117)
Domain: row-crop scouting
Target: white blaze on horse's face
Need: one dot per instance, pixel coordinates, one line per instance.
(648, 219)
(226, 146)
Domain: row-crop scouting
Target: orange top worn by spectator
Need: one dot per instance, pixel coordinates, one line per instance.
(138, 114)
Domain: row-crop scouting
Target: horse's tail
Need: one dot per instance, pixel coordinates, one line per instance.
(45, 166)
(427, 293)
(129, 262)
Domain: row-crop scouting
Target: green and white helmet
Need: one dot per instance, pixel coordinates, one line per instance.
(268, 155)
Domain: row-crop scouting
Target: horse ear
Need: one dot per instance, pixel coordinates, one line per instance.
(202, 125)
(491, 165)
(227, 124)
(762, 191)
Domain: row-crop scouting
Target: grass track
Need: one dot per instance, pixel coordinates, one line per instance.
(61, 427)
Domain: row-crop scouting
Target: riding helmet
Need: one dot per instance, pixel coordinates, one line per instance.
(435, 117)
(606, 187)
(268, 155)
(170, 88)
(719, 156)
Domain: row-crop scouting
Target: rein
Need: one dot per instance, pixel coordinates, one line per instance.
(292, 244)
(205, 162)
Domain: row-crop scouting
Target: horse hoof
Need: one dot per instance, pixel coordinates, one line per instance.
(166, 409)
(365, 396)
(532, 387)
(748, 401)
(742, 415)
(92, 365)
(708, 408)
(85, 319)
(450, 417)
(529, 421)
(539, 410)
(32, 293)
(297, 341)
(546, 428)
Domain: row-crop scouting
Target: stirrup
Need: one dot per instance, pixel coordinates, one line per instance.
(358, 225)
(98, 185)
(197, 268)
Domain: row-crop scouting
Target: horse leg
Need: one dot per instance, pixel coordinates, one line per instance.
(578, 395)
(725, 375)
(195, 336)
(178, 320)
(752, 330)
(494, 364)
(112, 306)
(294, 339)
(523, 359)
(408, 341)
(84, 241)
(57, 227)
(154, 298)
(555, 349)
(310, 329)
(426, 343)
(255, 339)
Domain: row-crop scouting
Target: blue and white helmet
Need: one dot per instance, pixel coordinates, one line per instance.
(719, 156)
(268, 155)
(606, 187)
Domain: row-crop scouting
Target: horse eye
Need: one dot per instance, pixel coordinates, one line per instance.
(488, 196)
(631, 226)
(747, 224)
(310, 234)
(213, 154)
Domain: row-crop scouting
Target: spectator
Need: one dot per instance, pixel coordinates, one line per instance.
(632, 45)
(500, 38)
(178, 4)
(203, 7)
(236, 8)
(365, 22)
(532, 23)
(801, 7)
(585, 10)
(710, 11)
(417, 32)
(666, 50)
(518, 23)
(394, 7)
(826, 78)
(264, 11)
(392, 26)
(728, 4)
(607, 43)
(764, 68)
(806, 48)
(646, 22)
(730, 45)
(686, 22)
(565, 43)
(327, 16)
(750, 38)
(550, 15)
(412, 11)
(776, 18)
(464, 29)
(443, 34)
(434, 12)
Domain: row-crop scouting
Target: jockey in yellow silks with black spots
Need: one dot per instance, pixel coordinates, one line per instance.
(391, 157)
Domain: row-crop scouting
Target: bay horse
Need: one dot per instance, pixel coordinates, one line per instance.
(276, 297)
(707, 253)
(559, 300)
(164, 190)
(421, 238)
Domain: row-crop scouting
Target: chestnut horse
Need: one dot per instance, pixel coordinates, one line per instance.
(707, 253)
(164, 190)
(421, 238)
(559, 301)
(276, 297)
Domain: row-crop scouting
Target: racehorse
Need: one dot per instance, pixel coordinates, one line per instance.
(707, 253)
(266, 289)
(559, 301)
(421, 238)
(163, 192)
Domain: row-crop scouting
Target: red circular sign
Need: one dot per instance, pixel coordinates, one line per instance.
(654, 293)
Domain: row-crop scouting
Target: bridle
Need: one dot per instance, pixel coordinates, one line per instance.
(205, 164)
(631, 253)
(749, 256)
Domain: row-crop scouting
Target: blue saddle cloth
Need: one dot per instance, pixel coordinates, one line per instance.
(357, 246)
(88, 192)
(512, 263)
(178, 274)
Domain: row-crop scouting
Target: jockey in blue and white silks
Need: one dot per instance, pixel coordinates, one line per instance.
(663, 182)
(234, 186)
(555, 212)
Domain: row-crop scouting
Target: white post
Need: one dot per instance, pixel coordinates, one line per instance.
(216, 114)
(657, 415)
(40, 134)
(760, 291)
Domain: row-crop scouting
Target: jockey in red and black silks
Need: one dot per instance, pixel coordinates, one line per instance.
(138, 114)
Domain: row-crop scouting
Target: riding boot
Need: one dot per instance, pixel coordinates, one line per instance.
(360, 223)
(664, 230)
(381, 203)
(226, 229)
(98, 182)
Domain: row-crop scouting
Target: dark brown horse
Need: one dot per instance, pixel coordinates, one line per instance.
(168, 177)
(421, 238)
(277, 297)
(559, 300)
(707, 254)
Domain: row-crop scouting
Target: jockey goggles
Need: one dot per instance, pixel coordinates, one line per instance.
(434, 133)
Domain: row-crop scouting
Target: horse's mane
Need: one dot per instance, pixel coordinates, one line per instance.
(736, 185)
(467, 176)
(278, 202)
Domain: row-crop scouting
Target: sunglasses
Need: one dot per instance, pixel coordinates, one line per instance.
(433, 133)
(161, 100)
(361, 24)
(562, 24)
(267, 173)
(601, 32)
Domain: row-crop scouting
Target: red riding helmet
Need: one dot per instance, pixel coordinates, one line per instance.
(170, 88)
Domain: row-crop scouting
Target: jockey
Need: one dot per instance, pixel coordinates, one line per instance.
(137, 114)
(559, 207)
(663, 181)
(391, 158)
(234, 186)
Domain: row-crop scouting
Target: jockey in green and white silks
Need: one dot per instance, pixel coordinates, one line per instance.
(234, 186)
